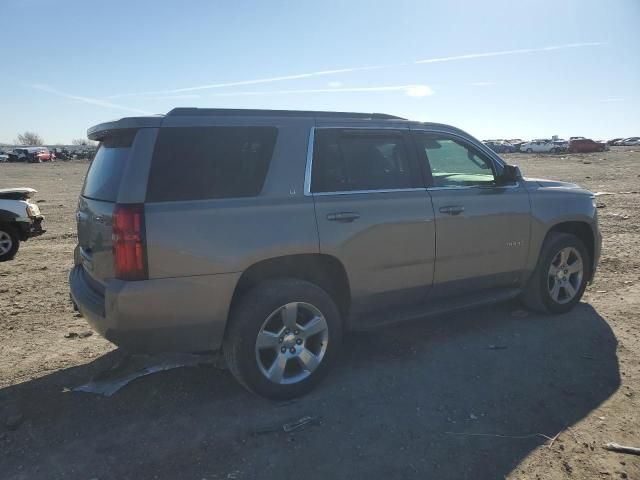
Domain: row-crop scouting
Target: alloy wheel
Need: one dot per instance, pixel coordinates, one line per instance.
(291, 343)
(5, 242)
(565, 275)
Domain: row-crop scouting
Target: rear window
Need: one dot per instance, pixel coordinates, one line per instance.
(103, 179)
(198, 163)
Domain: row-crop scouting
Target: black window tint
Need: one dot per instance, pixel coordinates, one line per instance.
(349, 160)
(107, 167)
(198, 163)
(454, 163)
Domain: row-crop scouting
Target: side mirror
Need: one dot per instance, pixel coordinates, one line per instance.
(511, 174)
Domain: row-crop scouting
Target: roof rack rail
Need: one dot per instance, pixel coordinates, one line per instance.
(191, 111)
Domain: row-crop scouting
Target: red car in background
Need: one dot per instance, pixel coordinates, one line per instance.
(586, 145)
(45, 155)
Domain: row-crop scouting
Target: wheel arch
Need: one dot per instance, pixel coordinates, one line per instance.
(324, 270)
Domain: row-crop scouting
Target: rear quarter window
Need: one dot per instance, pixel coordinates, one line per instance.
(105, 173)
(198, 163)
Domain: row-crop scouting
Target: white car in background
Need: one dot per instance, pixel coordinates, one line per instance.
(539, 146)
(630, 142)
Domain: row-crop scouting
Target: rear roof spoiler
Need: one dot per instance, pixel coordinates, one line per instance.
(102, 130)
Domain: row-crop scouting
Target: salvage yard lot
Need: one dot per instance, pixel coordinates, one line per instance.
(471, 395)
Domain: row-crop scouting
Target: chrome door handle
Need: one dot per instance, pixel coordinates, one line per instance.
(343, 217)
(452, 209)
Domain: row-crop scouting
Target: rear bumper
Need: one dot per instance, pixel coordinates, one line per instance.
(161, 315)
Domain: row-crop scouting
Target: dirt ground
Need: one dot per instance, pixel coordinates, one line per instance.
(473, 395)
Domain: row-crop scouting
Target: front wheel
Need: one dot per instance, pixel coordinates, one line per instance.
(283, 337)
(561, 275)
(529, 150)
(9, 242)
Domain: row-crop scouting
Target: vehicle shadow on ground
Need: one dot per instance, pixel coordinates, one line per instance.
(406, 402)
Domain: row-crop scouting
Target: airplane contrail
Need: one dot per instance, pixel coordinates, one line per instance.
(299, 76)
(89, 100)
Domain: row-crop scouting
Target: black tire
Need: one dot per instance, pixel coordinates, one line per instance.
(529, 150)
(554, 150)
(246, 321)
(12, 233)
(536, 295)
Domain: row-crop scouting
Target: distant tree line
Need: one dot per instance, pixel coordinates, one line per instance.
(32, 139)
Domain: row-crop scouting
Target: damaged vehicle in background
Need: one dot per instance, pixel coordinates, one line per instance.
(586, 145)
(20, 219)
(539, 146)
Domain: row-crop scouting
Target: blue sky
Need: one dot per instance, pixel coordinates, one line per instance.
(495, 68)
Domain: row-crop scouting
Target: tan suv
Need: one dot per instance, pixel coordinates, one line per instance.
(270, 233)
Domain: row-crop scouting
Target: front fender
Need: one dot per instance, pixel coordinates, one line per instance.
(551, 207)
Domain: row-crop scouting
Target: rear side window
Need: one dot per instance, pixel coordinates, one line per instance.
(198, 163)
(105, 173)
(353, 160)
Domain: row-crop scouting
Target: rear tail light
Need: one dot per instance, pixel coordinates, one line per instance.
(129, 243)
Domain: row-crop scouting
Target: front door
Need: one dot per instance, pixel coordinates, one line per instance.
(482, 225)
(374, 214)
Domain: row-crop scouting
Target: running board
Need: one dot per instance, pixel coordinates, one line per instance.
(374, 320)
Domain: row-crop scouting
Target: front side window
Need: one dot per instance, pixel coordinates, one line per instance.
(455, 164)
(351, 160)
(198, 163)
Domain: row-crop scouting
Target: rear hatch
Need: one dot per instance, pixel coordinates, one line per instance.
(96, 205)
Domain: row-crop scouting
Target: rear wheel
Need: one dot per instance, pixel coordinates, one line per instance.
(561, 274)
(529, 150)
(283, 337)
(9, 242)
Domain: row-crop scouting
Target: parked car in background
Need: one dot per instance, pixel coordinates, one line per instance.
(630, 142)
(586, 145)
(23, 154)
(539, 146)
(614, 141)
(4, 157)
(561, 145)
(61, 153)
(517, 145)
(20, 219)
(44, 155)
(500, 147)
(273, 236)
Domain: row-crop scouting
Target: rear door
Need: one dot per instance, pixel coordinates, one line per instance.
(97, 201)
(482, 226)
(373, 213)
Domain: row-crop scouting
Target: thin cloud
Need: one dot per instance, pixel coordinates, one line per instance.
(334, 84)
(410, 90)
(501, 53)
(320, 73)
(91, 101)
(298, 76)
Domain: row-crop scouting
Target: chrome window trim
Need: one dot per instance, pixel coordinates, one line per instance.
(360, 192)
(309, 166)
(307, 170)
(468, 187)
